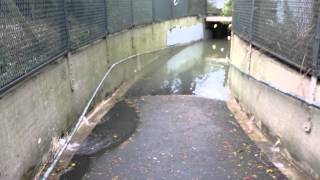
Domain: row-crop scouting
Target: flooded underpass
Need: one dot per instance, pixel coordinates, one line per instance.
(200, 69)
(174, 124)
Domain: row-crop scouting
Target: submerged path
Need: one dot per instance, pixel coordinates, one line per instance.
(183, 137)
(177, 134)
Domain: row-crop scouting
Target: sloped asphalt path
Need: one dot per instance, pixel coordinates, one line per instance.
(183, 137)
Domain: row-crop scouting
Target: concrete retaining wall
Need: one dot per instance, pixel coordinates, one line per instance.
(48, 103)
(274, 93)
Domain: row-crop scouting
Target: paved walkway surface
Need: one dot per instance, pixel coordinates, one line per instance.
(183, 137)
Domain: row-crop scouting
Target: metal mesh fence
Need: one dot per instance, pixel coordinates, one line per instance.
(197, 7)
(283, 28)
(142, 11)
(35, 32)
(180, 8)
(242, 18)
(162, 10)
(119, 14)
(31, 32)
(87, 21)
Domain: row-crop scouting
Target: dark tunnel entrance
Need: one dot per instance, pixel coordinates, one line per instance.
(218, 30)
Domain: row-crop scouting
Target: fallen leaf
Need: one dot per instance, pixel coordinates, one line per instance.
(269, 171)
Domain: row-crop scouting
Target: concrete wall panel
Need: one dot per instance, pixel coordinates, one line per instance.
(279, 114)
(119, 46)
(143, 39)
(87, 67)
(30, 116)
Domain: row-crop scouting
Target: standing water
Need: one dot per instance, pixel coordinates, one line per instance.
(174, 137)
(200, 69)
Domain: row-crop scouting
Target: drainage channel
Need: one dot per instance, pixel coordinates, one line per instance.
(161, 132)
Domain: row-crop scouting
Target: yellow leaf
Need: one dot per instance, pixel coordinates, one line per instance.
(269, 171)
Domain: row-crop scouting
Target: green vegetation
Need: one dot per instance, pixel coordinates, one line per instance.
(227, 8)
(218, 10)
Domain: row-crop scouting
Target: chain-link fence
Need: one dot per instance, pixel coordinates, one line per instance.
(197, 7)
(287, 29)
(242, 18)
(119, 14)
(36, 32)
(180, 8)
(87, 21)
(31, 33)
(162, 10)
(142, 11)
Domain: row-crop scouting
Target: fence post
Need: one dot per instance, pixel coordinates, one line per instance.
(153, 9)
(67, 26)
(66, 20)
(171, 5)
(206, 7)
(251, 34)
(105, 16)
(251, 22)
(132, 18)
(189, 8)
(315, 58)
(316, 45)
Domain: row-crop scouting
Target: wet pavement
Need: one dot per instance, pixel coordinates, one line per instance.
(117, 126)
(184, 137)
(174, 124)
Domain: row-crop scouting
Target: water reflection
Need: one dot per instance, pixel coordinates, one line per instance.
(200, 69)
